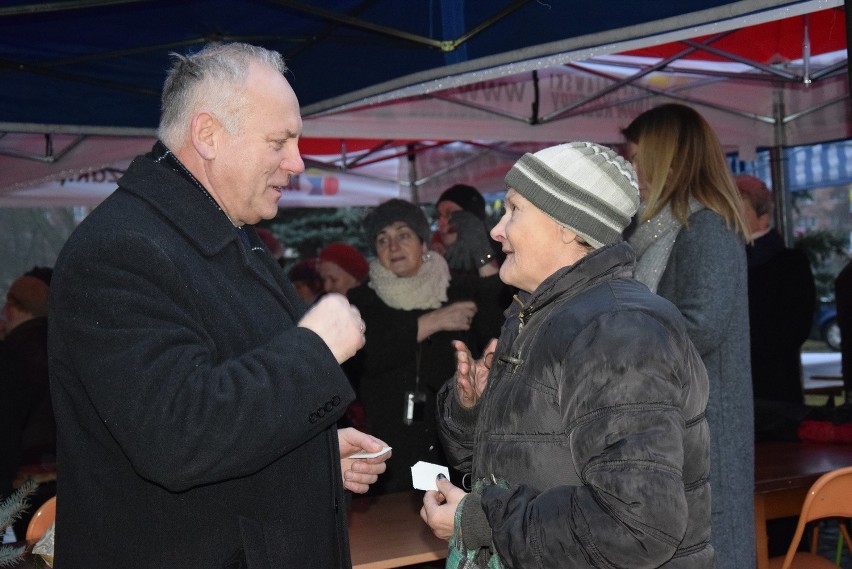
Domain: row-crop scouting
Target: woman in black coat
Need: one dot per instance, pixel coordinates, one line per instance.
(414, 308)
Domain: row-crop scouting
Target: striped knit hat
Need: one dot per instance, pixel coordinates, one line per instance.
(586, 187)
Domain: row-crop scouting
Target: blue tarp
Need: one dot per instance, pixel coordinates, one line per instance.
(808, 167)
(99, 65)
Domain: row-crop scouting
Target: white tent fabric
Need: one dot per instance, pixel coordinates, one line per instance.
(313, 188)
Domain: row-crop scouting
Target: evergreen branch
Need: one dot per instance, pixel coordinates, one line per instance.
(10, 511)
(16, 504)
(10, 556)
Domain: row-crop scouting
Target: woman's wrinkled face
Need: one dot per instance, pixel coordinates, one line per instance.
(633, 158)
(532, 242)
(399, 249)
(335, 279)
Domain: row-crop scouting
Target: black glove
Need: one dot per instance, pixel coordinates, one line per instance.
(472, 247)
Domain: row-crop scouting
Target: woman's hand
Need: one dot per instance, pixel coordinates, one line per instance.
(472, 375)
(453, 317)
(439, 508)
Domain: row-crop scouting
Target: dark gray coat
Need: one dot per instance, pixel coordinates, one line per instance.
(594, 416)
(196, 422)
(707, 279)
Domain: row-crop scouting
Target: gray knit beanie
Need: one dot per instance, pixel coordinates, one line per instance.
(583, 186)
(392, 211)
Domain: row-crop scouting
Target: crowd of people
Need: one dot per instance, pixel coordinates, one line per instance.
(587, 366)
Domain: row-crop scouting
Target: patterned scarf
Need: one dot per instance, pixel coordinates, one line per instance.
(425, 290)
(653, 241)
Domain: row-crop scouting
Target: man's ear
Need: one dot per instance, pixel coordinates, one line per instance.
(204, 132)
(764, 221)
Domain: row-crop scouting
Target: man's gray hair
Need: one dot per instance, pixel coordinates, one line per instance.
(214, 79)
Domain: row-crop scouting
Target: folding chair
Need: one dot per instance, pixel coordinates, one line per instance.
(829, 497)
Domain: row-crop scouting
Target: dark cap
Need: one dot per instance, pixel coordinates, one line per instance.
(393, 211)
(467, 197)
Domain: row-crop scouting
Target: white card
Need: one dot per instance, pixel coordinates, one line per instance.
(365, 454)
(423, 474)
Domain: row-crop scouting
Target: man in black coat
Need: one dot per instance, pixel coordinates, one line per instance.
(196, 398)
(843, 300)
(781, 297)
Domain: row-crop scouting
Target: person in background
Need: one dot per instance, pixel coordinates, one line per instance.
(843, 302)
(31, 444)
(583, 428)
(196, 395)
(462, 238)
(459, 197)
(276, 249)
(25, 312)
(690, 249)
(342, 267)
(13, 404)
(306, 280)
(781, 300)
(413, 310)
(44, 274)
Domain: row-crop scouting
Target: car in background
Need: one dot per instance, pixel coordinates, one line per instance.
(825, 325)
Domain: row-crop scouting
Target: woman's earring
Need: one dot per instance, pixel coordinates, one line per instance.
(426, 257)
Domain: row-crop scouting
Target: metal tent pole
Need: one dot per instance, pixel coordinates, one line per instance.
(778, 166)
(848, 6)
(412, 175)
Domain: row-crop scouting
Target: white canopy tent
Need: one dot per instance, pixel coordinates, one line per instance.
(569, 90)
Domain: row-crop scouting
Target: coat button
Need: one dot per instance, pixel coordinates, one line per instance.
(335, 400)
(312, 418)
(329, 406)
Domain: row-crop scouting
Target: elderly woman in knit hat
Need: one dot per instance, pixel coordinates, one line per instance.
(413, 310)
(583, 428)
(342, 267)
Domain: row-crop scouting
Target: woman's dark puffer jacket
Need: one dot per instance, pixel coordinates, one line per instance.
(594, 417)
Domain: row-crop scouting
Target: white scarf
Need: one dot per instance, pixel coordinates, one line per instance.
(653, 241)
(426, 289)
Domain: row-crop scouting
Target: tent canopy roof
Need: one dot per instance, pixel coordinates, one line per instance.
(81, 85)
(97, 66)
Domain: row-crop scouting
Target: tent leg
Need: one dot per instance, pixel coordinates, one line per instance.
(778, 168)
(848, 7)
(412, 175)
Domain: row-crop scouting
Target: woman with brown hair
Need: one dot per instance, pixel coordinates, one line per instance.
(413, 309)
(690, 248)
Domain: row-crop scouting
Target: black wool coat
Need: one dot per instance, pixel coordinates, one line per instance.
(781, 302)
(388, 366)
(196, 422)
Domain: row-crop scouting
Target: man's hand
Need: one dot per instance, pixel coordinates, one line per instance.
(472, 376)
(439, 508)
(338, 323)
(359, 473)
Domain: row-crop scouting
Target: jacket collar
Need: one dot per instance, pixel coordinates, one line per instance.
(196, 215)
(607, 263)
(176, 198)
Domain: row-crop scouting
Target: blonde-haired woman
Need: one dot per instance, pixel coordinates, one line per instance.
(689, 241)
